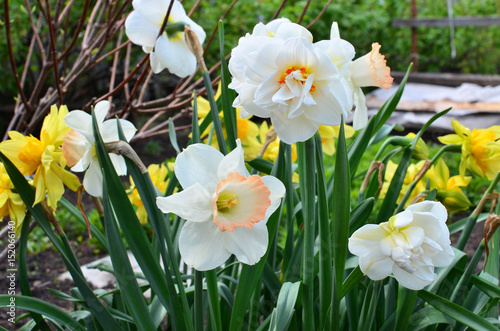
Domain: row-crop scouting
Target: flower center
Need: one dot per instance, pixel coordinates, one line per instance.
(226, 201)
(298, 74)
(240, 201)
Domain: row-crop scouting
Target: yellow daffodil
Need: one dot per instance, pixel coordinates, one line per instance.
(158, 174)
(448, 188)
(411, 173)
(480, 149)
(421, 151)
(43, 157)
(11, 203)
(330, 133)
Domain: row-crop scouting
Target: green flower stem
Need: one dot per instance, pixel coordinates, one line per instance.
(444, 149)
(213, 292)
(325, 255)
(290, 241)
(198, 300)
(215, 113)
(306, 159)
(471, 221)
(395, 140)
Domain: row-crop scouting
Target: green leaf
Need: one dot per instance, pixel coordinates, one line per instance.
(307, 181)
(215, 113)
(325, 243)
(360, 214)
(428, 316)
(491, 289)
(172, 135)
(43, 308)
(404, 309)
(226, 94)
(456, 312)
(340, 223)
(195, 133)
(28, 195)
(282, 314)
(132, 294)
(132, 229)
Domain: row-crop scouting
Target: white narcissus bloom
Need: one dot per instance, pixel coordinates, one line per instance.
(170, 49)
(409, 245)
(226, 209)
(283, 76)
(79, 145)
(368, 70)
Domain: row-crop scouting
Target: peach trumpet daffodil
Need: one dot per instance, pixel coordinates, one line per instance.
(170, 50)
(409, 245)
(368, 70)
(79, 145)
(226, 209)
(43, 157)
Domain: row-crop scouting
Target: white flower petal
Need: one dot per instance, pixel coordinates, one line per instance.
(119, 164)
(277, 193)
(376, 266)
(366, 240)
(81, 122)
(175, 55)
(233, 162)
(101, 110)
(92, 181)
(360, 119)
(198, 163)
(193, 204)
(408, 280)
(291, 130)
(201, 245)
(141, 31)
(249, 245)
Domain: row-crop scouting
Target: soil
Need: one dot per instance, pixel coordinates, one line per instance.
(43, 270)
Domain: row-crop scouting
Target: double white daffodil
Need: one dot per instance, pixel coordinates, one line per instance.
(170, 50)
(226, 209)
(79, 145)
(280, 74)
(409, 245)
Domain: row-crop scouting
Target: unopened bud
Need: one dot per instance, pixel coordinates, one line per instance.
(195, 47)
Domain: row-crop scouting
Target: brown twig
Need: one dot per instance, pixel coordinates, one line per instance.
(280, 8)
(54, 53)
(319, 15)
(303, 12)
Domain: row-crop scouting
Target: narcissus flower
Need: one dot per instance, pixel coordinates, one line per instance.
(158, 174)
(449, 190)
(43, 157)
(226, 209)
(290, 80)
(368, 70)
(11, 203)
(411, 173)
(170, 49)
(409, 245)
(79, 149)
(480, 149)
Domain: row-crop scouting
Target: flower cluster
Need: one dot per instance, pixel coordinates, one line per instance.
(279, 73)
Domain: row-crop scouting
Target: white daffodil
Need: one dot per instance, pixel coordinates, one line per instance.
(368, 70)
(170, 49)
(79, 145)
(409, 245)
(226, 209)
(290, 80)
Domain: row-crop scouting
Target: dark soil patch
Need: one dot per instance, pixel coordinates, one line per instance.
(43, 269)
